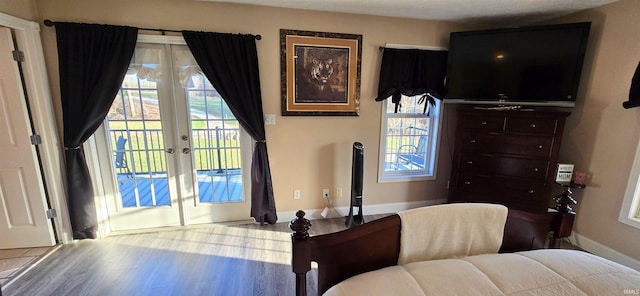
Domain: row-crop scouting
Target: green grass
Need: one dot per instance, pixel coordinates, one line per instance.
(145, 151)
(213, 106)
(135, 125)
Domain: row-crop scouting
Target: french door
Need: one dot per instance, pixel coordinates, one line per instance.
(177, 152)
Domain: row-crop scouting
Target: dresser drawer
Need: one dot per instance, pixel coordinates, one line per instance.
(535, 146)
(501, 188)
(483, 123)
(531, 125)
(491, 164)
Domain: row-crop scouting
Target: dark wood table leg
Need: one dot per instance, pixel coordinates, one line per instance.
(562, 225)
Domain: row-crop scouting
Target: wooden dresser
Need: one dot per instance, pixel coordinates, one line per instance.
(506, 157)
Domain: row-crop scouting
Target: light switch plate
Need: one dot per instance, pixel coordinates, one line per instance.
(269, 119)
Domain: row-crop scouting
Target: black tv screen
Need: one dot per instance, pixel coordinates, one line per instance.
(527, 66)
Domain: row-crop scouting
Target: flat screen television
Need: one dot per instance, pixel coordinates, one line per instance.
(529, 66)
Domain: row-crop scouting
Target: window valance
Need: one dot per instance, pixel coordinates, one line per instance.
(147, 63)
(412, 72)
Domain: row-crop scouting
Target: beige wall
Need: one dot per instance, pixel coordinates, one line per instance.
(601, 136)
(24, 9)
(306, 153)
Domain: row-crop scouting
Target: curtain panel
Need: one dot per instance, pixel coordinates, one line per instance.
(634, 91)
(93, 60)
(411, 72)
(230, 62)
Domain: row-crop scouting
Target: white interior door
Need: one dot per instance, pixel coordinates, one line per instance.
(176, 156)
(23, 221)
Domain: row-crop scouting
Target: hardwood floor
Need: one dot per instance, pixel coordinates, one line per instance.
(244, 259)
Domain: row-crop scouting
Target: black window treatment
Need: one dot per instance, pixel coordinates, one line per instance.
(634, 91)
(230, 62)
(412, 72)
(93, 60)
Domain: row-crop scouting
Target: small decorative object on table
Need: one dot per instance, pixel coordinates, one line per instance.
(564, 172)
(581, 178)
(565, 200)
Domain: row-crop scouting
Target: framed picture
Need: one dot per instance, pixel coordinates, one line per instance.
(320, 73)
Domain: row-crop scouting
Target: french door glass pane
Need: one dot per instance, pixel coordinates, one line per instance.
(216, 143)
(136, 135)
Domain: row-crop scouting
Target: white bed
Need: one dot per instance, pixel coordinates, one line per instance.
(454, 249)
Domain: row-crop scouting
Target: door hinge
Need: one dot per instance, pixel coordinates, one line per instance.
(18, 56)
(51, 213)
(36, 140)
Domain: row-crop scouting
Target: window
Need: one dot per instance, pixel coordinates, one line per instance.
(408, 140)
(630, 211)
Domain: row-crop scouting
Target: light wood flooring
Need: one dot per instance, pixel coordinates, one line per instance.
(246, 259)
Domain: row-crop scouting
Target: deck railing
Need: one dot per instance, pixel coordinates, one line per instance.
(215, 149)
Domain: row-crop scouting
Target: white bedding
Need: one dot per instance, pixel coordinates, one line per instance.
(538, 272)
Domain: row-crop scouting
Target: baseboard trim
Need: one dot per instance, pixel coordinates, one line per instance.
(601, 250)
(377, 209)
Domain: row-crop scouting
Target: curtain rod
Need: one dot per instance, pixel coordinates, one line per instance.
(50, 23)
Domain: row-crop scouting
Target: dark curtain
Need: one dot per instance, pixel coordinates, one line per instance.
(93, 60)
(634, 91)
(230, 62)
(412, 72)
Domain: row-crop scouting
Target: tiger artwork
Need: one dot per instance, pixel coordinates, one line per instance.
(315, 83)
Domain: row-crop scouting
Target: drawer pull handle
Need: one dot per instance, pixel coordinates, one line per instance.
(530, 191)
(467, 183)
(540, 146)
(535, 169)
(469, 161)
(472, 141)
(533, 125)
(483, 122)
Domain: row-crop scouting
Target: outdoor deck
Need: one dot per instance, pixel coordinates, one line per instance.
(212, 187)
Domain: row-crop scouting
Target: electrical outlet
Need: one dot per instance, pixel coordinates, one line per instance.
(296, 194)
(325, 193)
(339, 192)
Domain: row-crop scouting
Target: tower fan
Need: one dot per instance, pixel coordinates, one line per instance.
(357, 172)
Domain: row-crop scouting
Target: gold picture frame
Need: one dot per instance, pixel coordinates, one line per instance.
(320, 73)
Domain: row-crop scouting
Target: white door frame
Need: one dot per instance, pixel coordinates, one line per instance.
(27, 35)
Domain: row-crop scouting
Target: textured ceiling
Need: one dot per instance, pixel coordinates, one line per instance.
(505, 12)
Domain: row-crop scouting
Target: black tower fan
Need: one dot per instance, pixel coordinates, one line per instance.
(357, 172)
